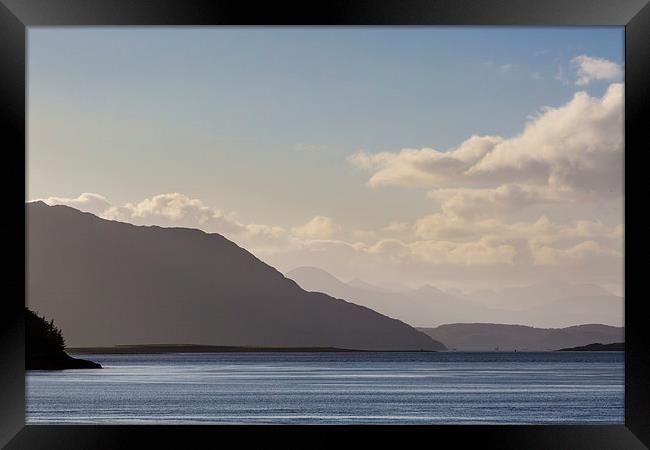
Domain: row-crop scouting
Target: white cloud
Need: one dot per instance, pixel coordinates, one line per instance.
(89, 202)
(439, 240)
(565, 157)
(446, 238)
(443, 245)
(589, 69)
(441, 253)
(424, 167)
(319, 227)
(390, 250)
(263, 238)
(482, 252)
(577, 146)
(471, 203)
(571, 152)
(364, 235)
(175, 210)
(171, 210)
(454, 228)
(544, 255)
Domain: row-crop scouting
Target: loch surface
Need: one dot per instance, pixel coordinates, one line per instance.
(333, 388)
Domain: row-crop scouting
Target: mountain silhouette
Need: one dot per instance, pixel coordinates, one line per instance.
(551, 305)
(489, 336)
(109, 283)
(420, 307)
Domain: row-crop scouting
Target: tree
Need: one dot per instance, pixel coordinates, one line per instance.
(41, 336)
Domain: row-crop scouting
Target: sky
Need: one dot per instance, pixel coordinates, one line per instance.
(459, 157)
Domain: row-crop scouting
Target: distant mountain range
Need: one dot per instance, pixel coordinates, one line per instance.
(423, 306)
(489, 337)
(107, 283)
(545, 306)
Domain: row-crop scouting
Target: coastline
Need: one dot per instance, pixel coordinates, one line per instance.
(190, 348)
(153, 349)
(58, 361)
(195, 348)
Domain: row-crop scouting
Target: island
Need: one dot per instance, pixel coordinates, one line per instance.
(597, 347)
(45, 346)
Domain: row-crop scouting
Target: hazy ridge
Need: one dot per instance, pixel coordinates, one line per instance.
(541, 306)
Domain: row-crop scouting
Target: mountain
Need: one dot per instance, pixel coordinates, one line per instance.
(487, 336)
(109, 283)
(423, 306)
(360, 284)
(441, 307)
(542, 305)
(314, 279)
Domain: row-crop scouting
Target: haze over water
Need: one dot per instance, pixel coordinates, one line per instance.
(334, 388)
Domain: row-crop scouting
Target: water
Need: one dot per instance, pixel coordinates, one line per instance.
(334, 388)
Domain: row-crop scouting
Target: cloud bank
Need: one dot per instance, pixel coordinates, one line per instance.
(502, 208)
(568, 154)
(441, 244)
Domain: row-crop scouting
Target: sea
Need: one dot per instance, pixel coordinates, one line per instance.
(333, 388)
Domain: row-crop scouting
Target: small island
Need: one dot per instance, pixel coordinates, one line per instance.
(597, 347)
(45, 346)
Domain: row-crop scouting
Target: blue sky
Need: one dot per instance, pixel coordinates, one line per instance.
(260, 122)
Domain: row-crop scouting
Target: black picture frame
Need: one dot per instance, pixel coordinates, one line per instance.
(16, 15)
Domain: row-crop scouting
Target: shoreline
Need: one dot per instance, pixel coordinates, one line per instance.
(189, 348)
(153, 349)
(58, 361)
